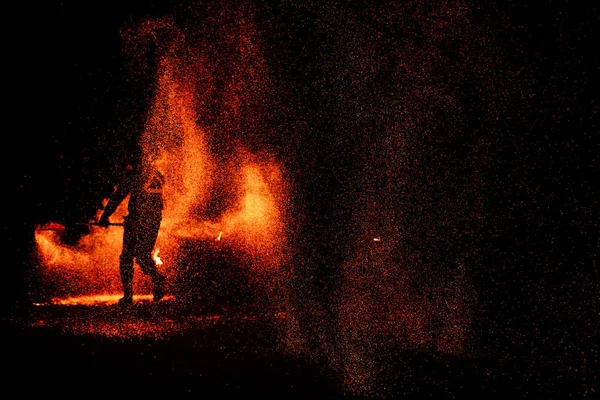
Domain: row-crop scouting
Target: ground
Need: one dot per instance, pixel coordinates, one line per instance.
(94, 347)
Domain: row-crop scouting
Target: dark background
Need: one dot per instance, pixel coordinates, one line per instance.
(537, 280)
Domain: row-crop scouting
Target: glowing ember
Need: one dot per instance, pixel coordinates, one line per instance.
(157, 259)
(219, 237)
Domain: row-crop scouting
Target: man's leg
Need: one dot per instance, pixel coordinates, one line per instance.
(144, 256)
(126, 270)
(146, 262)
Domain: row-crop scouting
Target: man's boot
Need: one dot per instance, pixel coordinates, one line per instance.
(127, 294)
(126, 271)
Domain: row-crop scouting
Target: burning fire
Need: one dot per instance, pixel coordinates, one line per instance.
(156, 258)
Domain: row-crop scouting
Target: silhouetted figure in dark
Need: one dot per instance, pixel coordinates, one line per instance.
(144, 183)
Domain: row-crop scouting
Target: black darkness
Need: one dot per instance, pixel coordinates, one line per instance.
(538, 277)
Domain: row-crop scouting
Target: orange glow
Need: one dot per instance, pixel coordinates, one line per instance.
(156, 258)
(256, 219)
(99, 299)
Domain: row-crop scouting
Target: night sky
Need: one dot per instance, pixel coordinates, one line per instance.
(534, 139)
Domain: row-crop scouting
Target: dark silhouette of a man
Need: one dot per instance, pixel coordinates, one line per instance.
(144, 183)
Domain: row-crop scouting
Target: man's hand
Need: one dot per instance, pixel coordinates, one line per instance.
(103, 221)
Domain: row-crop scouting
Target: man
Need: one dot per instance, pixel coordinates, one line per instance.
(144, 183)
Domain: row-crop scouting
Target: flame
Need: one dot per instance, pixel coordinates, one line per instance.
(220, 234)
(157, 259)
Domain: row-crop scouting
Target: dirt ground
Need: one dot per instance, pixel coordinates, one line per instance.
(162, 349)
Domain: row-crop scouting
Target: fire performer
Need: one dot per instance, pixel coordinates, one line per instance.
(144, 183)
